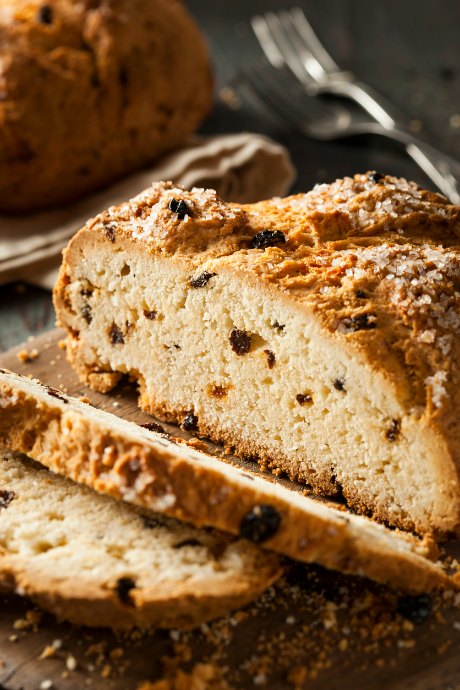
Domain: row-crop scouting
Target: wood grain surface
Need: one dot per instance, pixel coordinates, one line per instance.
(315, 629)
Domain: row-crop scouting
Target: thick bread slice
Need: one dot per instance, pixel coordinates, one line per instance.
(96, 561)
(318, 332)
(118, 457)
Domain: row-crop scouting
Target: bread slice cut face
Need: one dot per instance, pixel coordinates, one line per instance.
(318, 333)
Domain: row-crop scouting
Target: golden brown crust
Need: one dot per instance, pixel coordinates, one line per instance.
(91, 91)
(173, 609)
(72, 439)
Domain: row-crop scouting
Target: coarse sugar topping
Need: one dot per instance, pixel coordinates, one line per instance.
(422, 281)
(201, 205)
(175, 219)
(367, 203)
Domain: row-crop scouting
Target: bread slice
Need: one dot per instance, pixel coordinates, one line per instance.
(96, 561)
(140, 466)
(317, 332)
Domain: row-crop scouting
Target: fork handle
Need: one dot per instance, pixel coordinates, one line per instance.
(443, 170)
(344, 84)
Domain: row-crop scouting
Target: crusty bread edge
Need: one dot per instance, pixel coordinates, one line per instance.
(168, 608)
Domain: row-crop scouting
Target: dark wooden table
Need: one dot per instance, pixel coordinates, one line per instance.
(410, 51)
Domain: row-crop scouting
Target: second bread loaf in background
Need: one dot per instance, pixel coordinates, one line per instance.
(91, 91)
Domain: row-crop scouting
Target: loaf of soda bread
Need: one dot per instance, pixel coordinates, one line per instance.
(96, 561)
(92, 90)
(318, 333)
(145, 467)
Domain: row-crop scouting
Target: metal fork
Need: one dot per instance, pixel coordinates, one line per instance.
(281, 94)
(290, 44)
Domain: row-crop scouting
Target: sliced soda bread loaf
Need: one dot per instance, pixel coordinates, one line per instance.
(319, 333)
(96, 561)
(140, 466)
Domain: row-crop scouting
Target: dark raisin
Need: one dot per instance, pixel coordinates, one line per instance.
(187, 542)
(201, 280)
(152, 315)
(240, 342)
(56, 394)
(219, 392)
(116, 335)
(86, 312)
(180, 207)
(190, 422)
(154, 426)
(110, 232)
(360, 294)
(361, 322)
(393, 432)
(267, 238)
(303, 399)
(376, 177)
(6, 497)
(45, 14)
(150, 522)
(86, 292)
(260, 524)
(339, 385)
(278, 326)
(271, 359)
(123, 588)
(416, 608)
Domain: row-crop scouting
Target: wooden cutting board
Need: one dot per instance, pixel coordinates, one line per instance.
(315, 629)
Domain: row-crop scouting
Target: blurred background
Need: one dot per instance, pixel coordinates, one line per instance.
(408, 50)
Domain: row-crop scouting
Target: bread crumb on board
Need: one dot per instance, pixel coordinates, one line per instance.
(28, 355)
(46, 684)
(51, 649)
(312, 624)
(201, 677)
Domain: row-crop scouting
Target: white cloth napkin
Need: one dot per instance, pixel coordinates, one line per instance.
(241, 167)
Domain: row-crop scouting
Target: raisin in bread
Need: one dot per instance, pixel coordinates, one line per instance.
(96, 561)
(92, 90)
(147, 468)
(319, 332)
